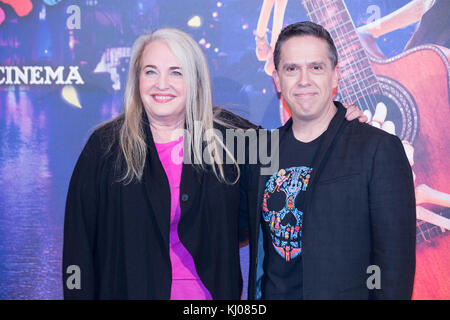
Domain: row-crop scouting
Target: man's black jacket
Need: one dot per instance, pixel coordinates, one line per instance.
(359, 212)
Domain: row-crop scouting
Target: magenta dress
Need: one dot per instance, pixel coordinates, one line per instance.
(186, 284)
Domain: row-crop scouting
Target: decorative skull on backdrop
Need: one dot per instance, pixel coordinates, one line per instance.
(284, 219)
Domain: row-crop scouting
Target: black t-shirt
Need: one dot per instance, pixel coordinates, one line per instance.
(282, 219)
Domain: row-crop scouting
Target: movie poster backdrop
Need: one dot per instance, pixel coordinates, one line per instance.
(63, 66)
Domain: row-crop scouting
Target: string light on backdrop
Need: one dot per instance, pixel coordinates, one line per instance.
(195, 22)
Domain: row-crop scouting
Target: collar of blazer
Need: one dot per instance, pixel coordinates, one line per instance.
(320, 159)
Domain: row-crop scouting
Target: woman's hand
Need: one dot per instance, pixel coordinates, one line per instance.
(354, 113)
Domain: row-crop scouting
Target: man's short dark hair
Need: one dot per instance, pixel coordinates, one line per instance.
(301, 29)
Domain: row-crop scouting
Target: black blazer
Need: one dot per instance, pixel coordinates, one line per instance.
(119, 234)
(360, 211)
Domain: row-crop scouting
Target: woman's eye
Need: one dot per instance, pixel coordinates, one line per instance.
(176, 73)
(150, 72)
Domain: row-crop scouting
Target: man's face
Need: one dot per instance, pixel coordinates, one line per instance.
(305, 77)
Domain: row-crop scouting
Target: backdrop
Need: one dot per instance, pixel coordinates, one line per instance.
(62, 70)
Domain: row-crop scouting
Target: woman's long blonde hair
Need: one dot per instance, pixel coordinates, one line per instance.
(199, 109)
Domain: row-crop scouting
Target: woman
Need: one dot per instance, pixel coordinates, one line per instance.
(140, 223)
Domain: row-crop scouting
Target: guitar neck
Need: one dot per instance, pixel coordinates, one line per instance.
(426, 231)
(357, 76)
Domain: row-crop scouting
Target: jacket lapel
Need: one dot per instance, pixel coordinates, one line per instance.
(157, 185)
(327, 140)
(190, 185)
(263, 178)
(320, 159)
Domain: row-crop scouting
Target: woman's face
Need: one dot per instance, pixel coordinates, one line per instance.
(161, 84)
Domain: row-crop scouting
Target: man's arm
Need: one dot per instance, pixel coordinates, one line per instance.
(393, 219)
(400, 18)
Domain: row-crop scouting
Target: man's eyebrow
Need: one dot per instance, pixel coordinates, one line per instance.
(312, 63)
(290, 64)
(318, 62)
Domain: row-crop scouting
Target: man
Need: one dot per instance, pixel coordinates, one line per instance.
(337, 220)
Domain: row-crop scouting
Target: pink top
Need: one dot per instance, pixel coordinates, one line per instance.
(186, 284)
